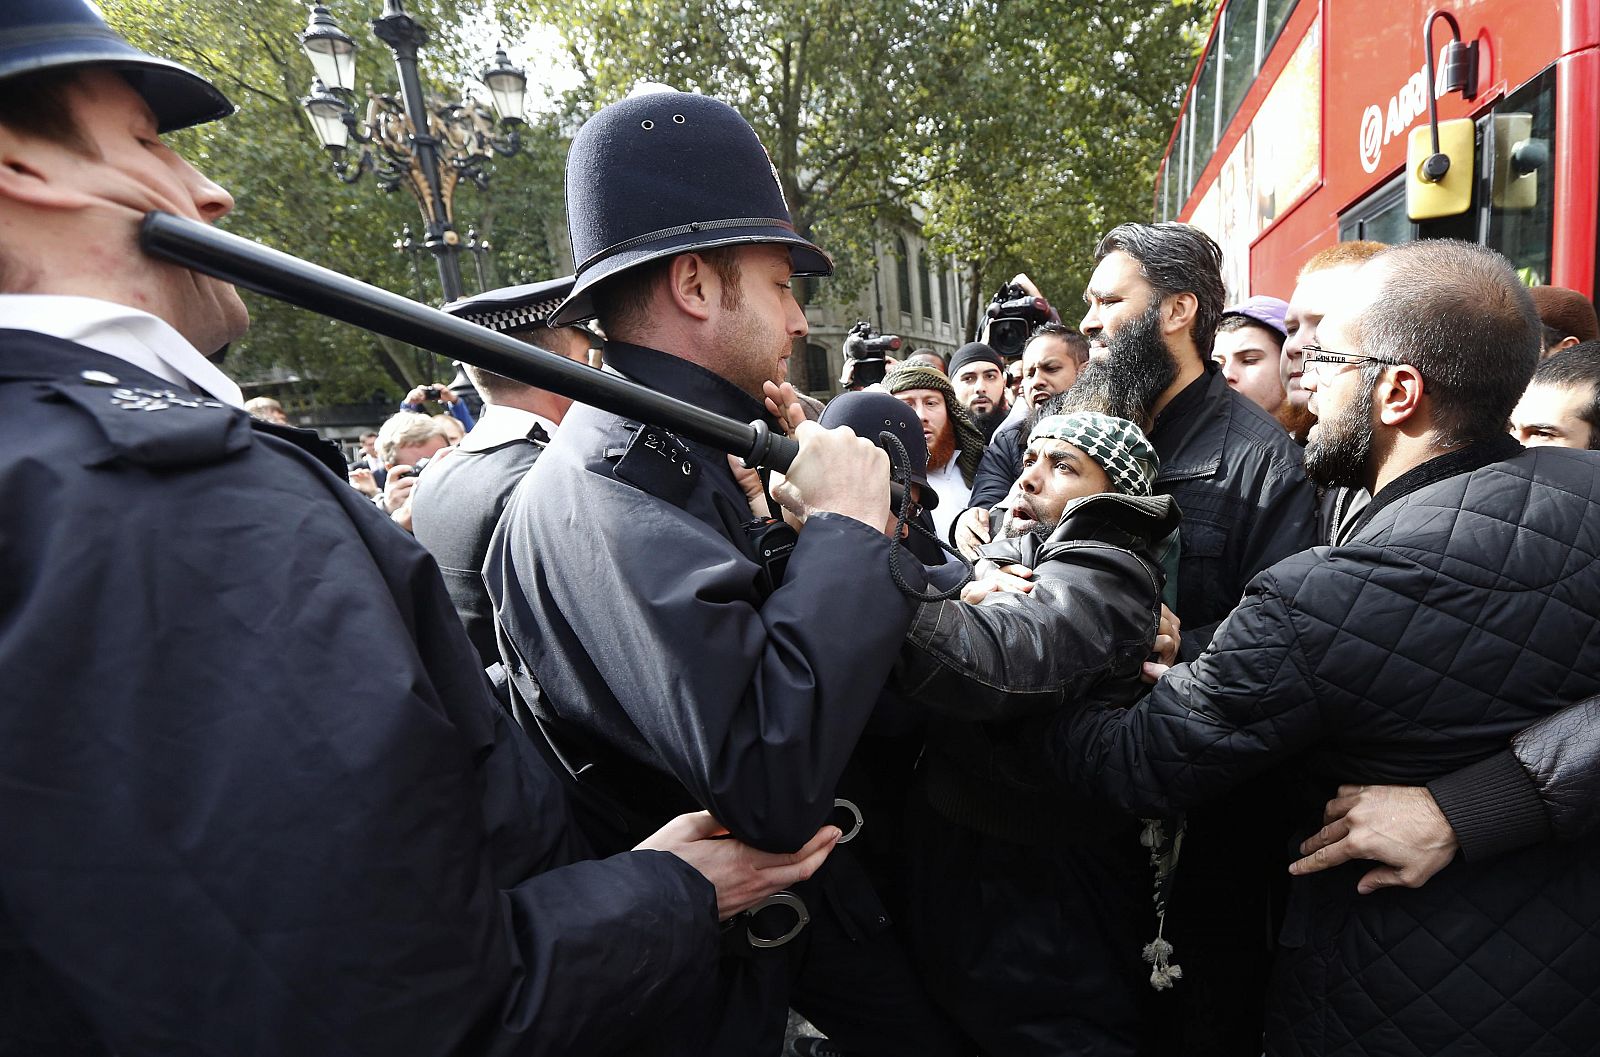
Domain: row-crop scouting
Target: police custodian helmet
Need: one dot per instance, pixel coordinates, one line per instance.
(55, 34)
(664, 173)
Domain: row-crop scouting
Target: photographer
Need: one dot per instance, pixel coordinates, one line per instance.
(405, 443)
(866, 357)
(442, 393)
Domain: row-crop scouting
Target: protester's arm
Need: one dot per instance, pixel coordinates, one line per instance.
(1206, 726)
(1091, 610)
(1545, 786)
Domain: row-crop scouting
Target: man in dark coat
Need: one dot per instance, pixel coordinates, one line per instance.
(1458, 612)
(1030, 905)
(1154, 301)
(650, 633)
(457, 503)
(226, 828)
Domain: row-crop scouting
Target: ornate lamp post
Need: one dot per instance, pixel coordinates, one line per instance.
(424, 144)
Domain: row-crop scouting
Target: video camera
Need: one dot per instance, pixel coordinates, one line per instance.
(865, 356)
(1014, 314)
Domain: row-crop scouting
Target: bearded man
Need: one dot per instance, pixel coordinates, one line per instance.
(1154, 302)
(954, 443)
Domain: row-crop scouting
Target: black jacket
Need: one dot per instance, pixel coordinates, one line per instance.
(258, 799)
(638, 633)
(454, 509)
(1030, 903)
(1462, 611)
(1000, 466)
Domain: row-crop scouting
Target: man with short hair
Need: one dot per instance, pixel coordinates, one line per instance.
(457, 505)
(978, 376)
(926, 358)
(954, 443)
(1050, 364)
(1566, 317)
(267, 409)
(1318, 288)
(1461, 610)
(1249, 350)
(274, 809)
(673, 651)
(1562, 404)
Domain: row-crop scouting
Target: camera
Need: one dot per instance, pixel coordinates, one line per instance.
(1014, 314)
(865, 353)
(433, 392)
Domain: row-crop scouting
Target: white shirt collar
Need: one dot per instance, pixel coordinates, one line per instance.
(501, 424)
(129, 334)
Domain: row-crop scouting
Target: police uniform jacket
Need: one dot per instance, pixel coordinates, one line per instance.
(257, 799)
(636, 618)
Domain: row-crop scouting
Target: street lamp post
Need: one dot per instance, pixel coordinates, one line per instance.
(424, 144)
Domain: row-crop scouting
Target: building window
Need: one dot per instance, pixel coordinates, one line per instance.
(947, 299)
(816, 378)
(925, 282)
(902, 274)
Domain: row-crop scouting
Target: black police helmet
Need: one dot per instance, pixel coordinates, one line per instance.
(871, 413)
(56, 34)
(664, 173)
(513, 309)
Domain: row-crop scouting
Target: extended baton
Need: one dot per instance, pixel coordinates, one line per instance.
(324, 291)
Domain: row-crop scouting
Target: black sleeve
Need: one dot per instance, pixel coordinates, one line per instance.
(1206, 726)
(1093, 610)
(247, 812)
(1547, 784)
(998, 470)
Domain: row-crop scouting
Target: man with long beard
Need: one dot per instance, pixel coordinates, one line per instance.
(954, 443)
(1154, 301)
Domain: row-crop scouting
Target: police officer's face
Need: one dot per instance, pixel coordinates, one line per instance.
(128, 172)
(756, 336)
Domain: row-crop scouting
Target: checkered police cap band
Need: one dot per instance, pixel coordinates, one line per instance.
(1116, 444)
(514, 317)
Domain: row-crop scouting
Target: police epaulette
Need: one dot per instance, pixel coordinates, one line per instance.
(659, 463)
(152, 426)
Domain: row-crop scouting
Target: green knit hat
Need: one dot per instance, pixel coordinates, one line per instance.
(1119, 446)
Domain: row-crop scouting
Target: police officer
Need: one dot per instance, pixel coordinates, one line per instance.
(669, 663)
(224, 828)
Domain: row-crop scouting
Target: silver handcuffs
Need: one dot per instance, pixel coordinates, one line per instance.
(787, 899)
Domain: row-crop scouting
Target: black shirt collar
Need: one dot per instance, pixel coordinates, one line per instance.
(1474, 456)
(1175, 417)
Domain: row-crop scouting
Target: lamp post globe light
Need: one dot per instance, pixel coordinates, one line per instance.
(425, 144)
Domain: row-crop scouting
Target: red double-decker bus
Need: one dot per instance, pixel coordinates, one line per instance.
(1295, 128)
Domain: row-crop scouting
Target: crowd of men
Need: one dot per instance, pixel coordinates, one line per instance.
(568, 735)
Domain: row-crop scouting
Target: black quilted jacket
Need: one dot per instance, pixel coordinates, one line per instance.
(1462, 611)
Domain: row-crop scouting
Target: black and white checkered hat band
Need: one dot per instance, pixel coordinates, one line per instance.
(1119, 446)
(514, 317)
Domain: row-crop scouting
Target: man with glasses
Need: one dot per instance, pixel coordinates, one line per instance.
(1460, 611)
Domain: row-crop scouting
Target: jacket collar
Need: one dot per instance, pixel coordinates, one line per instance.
(1189, 433)
(1133, 523)
(687, 381)
(1474, 456)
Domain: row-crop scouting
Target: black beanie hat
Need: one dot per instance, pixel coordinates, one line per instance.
(974, 350)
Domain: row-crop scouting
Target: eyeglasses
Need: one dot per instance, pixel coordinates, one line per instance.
(1316, 356)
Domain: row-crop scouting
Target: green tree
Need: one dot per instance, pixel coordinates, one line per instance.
(287, 196)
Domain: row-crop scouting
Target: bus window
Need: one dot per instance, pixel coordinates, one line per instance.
(1380, 217)
(1520, 218)
(1205, 113)
(1276, 13)
(1240, 57)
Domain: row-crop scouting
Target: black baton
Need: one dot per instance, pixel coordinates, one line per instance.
(324, 291)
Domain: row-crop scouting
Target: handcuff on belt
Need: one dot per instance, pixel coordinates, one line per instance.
(790, 901)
